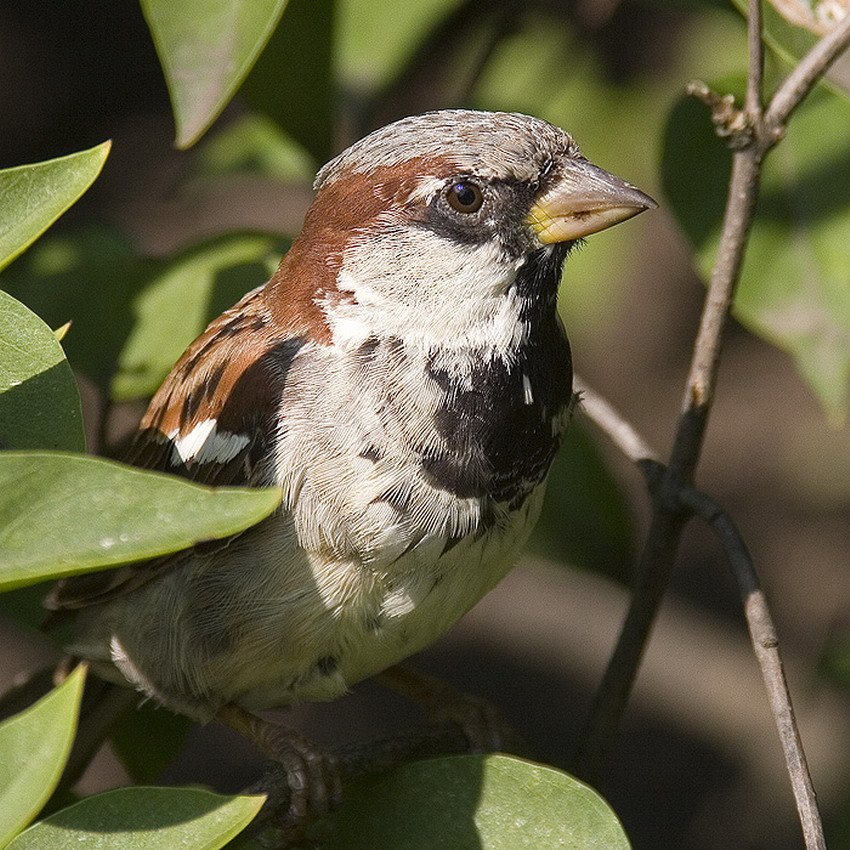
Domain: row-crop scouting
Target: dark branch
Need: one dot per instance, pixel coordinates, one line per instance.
(756, 611)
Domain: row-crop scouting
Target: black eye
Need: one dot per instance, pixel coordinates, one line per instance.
(465, 197)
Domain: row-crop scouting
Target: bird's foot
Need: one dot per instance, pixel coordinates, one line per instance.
(301, 784)
(481, 722)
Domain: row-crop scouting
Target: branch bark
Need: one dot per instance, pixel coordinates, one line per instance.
(762, 631)
(751, 133)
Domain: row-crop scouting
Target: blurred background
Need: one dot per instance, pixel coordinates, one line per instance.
(167, 239)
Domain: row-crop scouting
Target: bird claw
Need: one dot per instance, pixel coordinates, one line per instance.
(301, 783)
(481, 722)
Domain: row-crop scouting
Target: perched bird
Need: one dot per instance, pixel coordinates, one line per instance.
(405, 379)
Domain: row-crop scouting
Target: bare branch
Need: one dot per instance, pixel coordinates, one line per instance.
(620, 431)
(755, 49)
(766, 646)
(759, 621)
(751, 134)
(805, 75)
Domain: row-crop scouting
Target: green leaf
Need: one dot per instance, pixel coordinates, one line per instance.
(72, 276)
(179, 300)
(63, 514)
(147, 739)
(292, 82)
(89, 278)
(32, 197)
(144, 819)
(366, 60)
(475, 803)
(585, 521)
(794, 284)
(206, 49)
(39, 402)
(254, 144)
(34, 746)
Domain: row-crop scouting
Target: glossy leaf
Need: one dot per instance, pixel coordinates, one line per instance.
(39, 402)
(34, 746)
(793, 289)
(62, 514)
(144, 819)
(206, 49)
(180, 298)
(32, 197)
(475, 803)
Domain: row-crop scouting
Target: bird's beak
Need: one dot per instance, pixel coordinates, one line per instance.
(584, 200)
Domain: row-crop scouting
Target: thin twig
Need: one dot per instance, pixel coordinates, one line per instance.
(755, 51)
(756, 611)
(766, 645)
(802, 79)
(758, 133)
(618, 429)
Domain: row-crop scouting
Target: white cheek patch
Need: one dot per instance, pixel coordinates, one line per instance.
(205, 444)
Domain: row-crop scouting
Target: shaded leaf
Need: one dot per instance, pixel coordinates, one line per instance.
(62, 514)
(794, 285)
(206, 49)
(34, 746)
(132, 733)
(475, 803)
(32, 197)
(39, 402)
(144, 819)
(255, 144)
(292, 82)
(369, 60)
(585, 521)
(178, 301)
(69, 277)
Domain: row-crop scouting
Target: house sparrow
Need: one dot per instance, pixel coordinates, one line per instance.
(405, 379)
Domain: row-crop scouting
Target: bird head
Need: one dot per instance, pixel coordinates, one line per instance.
(440, 228)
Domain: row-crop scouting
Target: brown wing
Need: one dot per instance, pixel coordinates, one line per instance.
(211, 421)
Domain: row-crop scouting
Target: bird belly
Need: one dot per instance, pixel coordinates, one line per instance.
(370, 619)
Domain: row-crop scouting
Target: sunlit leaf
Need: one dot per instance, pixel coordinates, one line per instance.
(144, 819)
(794, 285)
(206, 50)
(39, 402)
(34, 746)
(32, 197)
(475, 803)
(62, 514)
